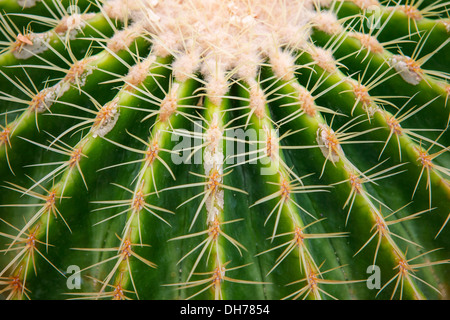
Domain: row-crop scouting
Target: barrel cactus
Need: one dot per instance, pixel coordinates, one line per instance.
(271, 149)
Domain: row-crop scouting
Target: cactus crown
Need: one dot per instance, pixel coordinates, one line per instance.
(213, 149)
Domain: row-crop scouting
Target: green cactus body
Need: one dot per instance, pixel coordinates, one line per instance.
(224, 150)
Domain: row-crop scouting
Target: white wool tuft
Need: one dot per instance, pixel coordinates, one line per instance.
(407, 68)
(241, 33)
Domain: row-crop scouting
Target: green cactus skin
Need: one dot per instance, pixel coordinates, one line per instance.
(317, 170)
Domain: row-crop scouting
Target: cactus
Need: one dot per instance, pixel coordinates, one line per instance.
(214, 149)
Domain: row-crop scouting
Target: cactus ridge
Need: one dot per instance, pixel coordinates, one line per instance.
(224, 150)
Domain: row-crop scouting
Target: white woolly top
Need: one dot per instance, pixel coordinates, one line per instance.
(222, 35)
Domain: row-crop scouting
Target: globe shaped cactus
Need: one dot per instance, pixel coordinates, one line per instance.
(271, 149)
